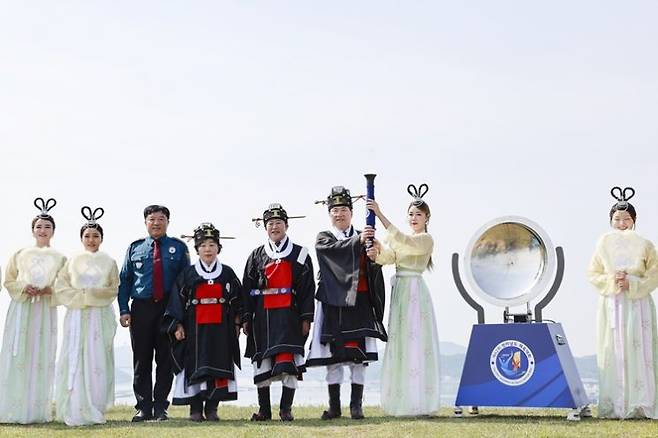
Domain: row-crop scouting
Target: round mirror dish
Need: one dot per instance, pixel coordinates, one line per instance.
(509, 261)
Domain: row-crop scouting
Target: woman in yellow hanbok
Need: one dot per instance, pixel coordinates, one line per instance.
(87, 286)
(27, 359)
(410, 369)
(624, 271)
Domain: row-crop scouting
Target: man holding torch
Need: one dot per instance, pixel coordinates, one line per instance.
(351, 296)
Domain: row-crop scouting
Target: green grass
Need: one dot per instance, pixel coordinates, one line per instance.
(491, 423)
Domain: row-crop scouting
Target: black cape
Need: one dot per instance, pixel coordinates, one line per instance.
(276, 331)
(208, 351)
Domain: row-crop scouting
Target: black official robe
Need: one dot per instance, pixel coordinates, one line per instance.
(348, 315)
(277, 297)
(210, 348)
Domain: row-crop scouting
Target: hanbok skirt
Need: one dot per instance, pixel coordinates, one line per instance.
(27, 362)
(410, 369)
(85, 369)
(627, 357)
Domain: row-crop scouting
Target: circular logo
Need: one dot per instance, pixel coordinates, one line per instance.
(512, 362)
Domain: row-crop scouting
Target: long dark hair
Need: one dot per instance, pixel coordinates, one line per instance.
(425, 209)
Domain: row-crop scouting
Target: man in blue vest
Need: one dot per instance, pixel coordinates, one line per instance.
(147, 276)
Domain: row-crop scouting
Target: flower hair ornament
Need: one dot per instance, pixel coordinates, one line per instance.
(417, 193)
(622, 196)
(44, 206)
(92, 216)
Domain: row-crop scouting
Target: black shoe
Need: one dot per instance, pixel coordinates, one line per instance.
(356, 411)
(141, 416)
(211, 415)
(210, 410)
(334, 403)
(264, 407)
(196, 417)
(285, 406)
(161, 415)
(261, 416)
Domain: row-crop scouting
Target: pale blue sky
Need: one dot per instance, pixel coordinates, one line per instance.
(218, 108)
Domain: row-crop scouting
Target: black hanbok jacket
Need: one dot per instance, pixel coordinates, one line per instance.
(207, 309)
(278, 294)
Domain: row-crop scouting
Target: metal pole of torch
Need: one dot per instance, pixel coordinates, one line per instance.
(370, 194)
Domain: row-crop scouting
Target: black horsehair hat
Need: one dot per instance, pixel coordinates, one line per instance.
(339, 196)
(205, 231)
(274, 211)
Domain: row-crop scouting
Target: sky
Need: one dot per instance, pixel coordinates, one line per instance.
(217, 109)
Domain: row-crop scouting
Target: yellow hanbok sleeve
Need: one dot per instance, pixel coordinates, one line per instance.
(413, 245)
(65, 293)
(74, 298)
(640, 287)
(603, 281)
(105, 295)
(386, 256)
(14, 286)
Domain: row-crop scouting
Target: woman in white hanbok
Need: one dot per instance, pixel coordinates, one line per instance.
(87, 286)
(29, 343)
(410, 369)
(624, 271)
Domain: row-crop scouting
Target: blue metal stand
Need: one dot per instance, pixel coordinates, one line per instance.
(520, 365)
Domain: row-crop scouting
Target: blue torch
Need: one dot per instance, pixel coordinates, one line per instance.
(370, 194)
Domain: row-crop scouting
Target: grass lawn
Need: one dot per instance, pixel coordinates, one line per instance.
(234, 424)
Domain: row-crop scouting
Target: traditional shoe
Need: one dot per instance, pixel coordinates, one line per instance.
(211, 415)
(285, 406)
(356, 411)
(334, 403)
(141, 416)
(261, 416)
(330, 414)
(161, 415)
(196, 417)
(286, 415)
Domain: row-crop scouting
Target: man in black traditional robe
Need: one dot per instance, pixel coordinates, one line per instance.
(278, 288)
(351, 294)
(203, 322)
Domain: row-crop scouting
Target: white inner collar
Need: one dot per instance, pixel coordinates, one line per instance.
(278, 252)
(216, 272)
(340, 235)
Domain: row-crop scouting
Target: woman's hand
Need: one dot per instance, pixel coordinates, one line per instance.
(180, 332)
(31, 290)
(621, 280)
(46, 291)
(371, 204)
